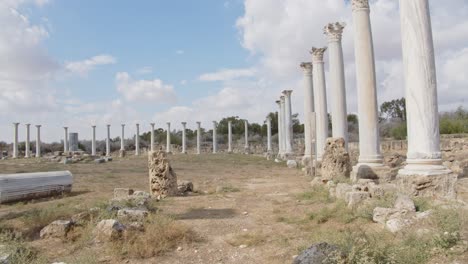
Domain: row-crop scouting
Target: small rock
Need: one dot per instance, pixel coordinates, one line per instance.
(122, 193)
(397, 224)
(58, 228)
(100, 160)
(292, 164)
(132, 214)
(245, 213)
(342, 189)
(107, 159)
(404, 202)
(356, 198)
(108, 230)
(242, 246)
(179, 249)
(319, 253)
(185, 186)
(381, 215)
(5, 255)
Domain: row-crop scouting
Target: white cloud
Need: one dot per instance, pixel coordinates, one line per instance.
(227, 74)
(85, 66)
(144, 70)
(144, 90)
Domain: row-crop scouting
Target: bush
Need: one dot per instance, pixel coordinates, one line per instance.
(399, 132)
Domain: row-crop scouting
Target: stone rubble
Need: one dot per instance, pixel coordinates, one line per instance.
(162, 178)
(335, 161)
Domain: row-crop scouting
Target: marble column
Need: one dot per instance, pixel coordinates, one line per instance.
(152, 137)
(198, 138)
(424, 155)
(280, 128)
(15, 140)
(168, 138)
(334, 32)
(108, 150)
(268, 123)
(137, 140)
(288, 124)
(229, 136)
(369, 141)
(246, 135)
(65, 140)
(122, 138)
(308, 109)
(184, 142)
(93, 142)
(38, 141)
(320, 97)
(27, 152)
(215, 142)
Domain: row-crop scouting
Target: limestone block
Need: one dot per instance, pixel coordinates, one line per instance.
(319, 253)
(185, 186)
(162, 178)
(395, 225)
(292, 164)
(108, 230)
(440, 186)
(382, 215)
(23, 186)
(404, 202)
(335, 161)
(342, 189)
(58, 228)
(122, 193)
(354, 199)
(131, 214)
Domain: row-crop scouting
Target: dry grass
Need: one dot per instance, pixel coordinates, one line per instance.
(247, 239)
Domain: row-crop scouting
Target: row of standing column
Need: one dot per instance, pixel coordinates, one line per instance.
(285, 125)
(27, 153)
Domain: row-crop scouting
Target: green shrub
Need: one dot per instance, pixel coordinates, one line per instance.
(399, 132)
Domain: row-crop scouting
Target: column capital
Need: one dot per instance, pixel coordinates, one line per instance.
(108, 125)
(16, 124)
(65, 128)
(278, 102)
(334, 31)
(168, 123)
(184, 123)
(282, 98)
(287, 93)
(27, 124)
(317, 54)
(93, 126)
(152, 124)
(38, 126)
(268, 118)
(307, 68)
(198, 123)
(214, 122)
(137, 124)
(360, 5)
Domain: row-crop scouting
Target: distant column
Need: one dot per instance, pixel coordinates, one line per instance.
(334, 32)
(283, 125)
(38, 141)
(152, 136)
(27, 152)
(268, 122)
(168, 138)
(308, 107)
(122, 138)
(137, 140)
(108, 142)
(320, 100)
(215, 143)
(15, 141)
(288, 117)
(280, 128)
(198, 138)
(93, 142)
(230, 136)
(184, 143)
(65, 140)
(246, 134)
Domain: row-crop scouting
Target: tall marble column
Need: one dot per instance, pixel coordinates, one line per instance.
(122, 138)
(65, 140)
(93, 142)
(215, 142)
(15, 140)
(280, 128)
(137, 140)
(152, 137)
(288, 124)
(369, 142)
(424, 155)
(268, 123)
(308, 109)
(168, 138)
(198, 138)
(108, 150)
(27, 152)
(334, 32)
(229, 136)
(320, 97)
(246, 135)
(184, 143)
(38, 141)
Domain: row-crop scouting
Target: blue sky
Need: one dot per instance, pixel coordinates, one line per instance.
(79, 63)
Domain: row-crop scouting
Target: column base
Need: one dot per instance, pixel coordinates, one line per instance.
(122, 153)
(372, 171)
(307, 161)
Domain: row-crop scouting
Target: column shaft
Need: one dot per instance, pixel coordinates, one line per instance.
(122, 138)
(184, 146)
(280, 128)
(269, 149)
(38, 141)
(65, 140)
(289, 126)
(108, 142)
(168, 138)
(152, 137)
(308, 107)
(215, 142)
(137, 140)
(229, 136)
(93, 142)
(27, 145)
(15, 140)
(198, 138)
(246, 135)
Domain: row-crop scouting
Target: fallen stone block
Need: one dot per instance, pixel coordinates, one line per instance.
(342, 189)
(185, 186)
(404, 202)
(58, 229)
(395, 225)
(108, 230)
(382, 215)
(122, 193)
(354, 199)
(292, 164)
(319, 253)
(131, 214)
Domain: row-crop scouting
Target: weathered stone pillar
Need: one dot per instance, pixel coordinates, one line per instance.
(289, 125)
(280, 128)
(229, 136)
(246, 136)
(184, 143)
(65, 141)
(334, 33)
(108, 150)
(15, 140)
(215, 143)
(168, 138)
(268, 123)
(283, 125)
(27, 152)
(198, 138)
(38, 141)
(93, 142)
(152, 137)
(424, 163)
(122, 138)
(308, 109)
(320, 96)
(137, 140)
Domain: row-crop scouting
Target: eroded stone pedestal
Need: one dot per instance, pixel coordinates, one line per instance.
(440, 185)
(335, 161)
(380, 173)
(162, 179)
